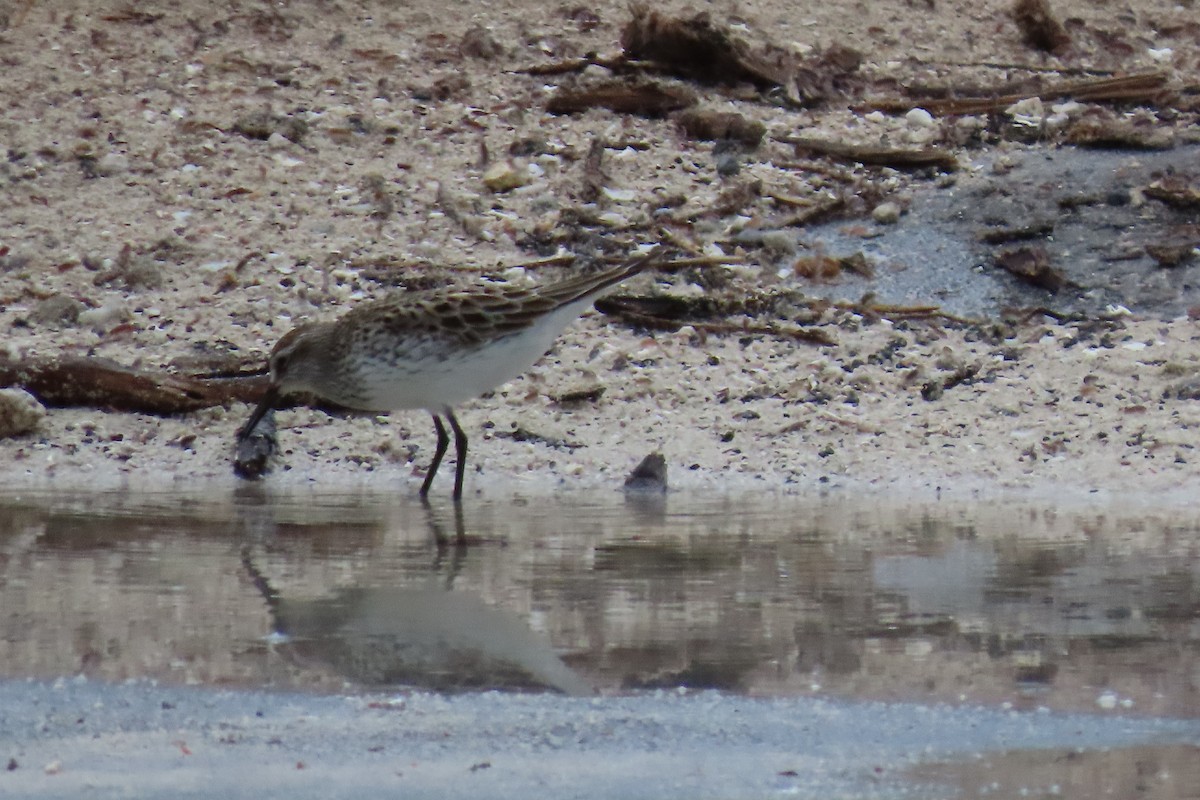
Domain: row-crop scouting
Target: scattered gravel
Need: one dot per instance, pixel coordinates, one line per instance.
(75, 737)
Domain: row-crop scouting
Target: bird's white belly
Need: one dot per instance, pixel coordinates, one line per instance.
(435, 377)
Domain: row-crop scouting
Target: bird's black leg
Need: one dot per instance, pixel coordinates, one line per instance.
(460, 452)
(443, 441)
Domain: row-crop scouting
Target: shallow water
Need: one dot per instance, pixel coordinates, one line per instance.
(1088, 608)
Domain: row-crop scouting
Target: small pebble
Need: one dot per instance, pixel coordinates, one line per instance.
(59, 309)
(779, 241)
(478, 42)
(504, 177)
(728, 164)
(886, 213)
(1005, 164)
(107, 314)
(111, 164)
(20, 413)
(142, 272)
(919, 118)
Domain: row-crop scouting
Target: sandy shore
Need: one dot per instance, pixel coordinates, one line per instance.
(151, 224)
(1045, 413)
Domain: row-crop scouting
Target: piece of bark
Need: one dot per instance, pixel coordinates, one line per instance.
(697, 48)
(617, 63)
(736, 197)
(522, 434)
(1172, 254)
(898, 158)
(820, 211)
(1178, 191)
(823, 267)
(819, 268)
(1016, 233)
(1118, 134)
(869, 309)
(644, 99)
(594, 177)
(66, 381)
(1033, 266)
(580, 396)
(963, 376)
(1149, 88)
(1176, 246)
(709, 125)
(831, 73)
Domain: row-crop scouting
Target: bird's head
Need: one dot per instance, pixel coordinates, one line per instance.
(296, 360)
(296, 366)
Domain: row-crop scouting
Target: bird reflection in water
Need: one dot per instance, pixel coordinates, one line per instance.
(430, 638)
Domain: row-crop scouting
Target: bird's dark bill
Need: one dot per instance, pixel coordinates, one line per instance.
(266, 404)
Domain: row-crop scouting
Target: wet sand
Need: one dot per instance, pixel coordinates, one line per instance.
(140, 740)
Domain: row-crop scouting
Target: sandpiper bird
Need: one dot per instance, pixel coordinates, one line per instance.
(431, 350)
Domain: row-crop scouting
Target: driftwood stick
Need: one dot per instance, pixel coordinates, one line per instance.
(1142, 86)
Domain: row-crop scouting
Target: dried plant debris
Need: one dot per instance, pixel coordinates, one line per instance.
(523, 434)
(1181, 190)
(644, 98)
(824, 268)
(663, 307)
(57, 311)
(898, 158)
(1177, 247)
(1188, 389)
(479, 43)
(704, 314)
(132, 270)
(963, 376)
(594, 177)
(449, 86)
(1033, 266)
(734, 198)
(579, 396)
(1172, 255)
(263, 124)
(1036, 229)
(1039, 26)
(832, 73)
(710, 125)
(1110, 132)
(100, 383)
(132, 15)
(811, 213)
(1148, 88)
(697, 48)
